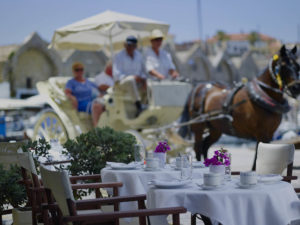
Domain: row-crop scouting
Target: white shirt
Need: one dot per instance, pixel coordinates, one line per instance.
(124, 65)
(162, 62)
(104, 79)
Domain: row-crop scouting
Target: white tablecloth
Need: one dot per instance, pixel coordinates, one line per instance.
(136, 181)
(267, 204)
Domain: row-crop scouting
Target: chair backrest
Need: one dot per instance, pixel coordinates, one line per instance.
(59, 184)
(11, 147)
(274, 158)
(23, 159)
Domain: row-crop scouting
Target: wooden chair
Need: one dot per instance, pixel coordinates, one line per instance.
(58, 184)
(34, 187)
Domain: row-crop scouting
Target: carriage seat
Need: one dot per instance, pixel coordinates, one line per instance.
(168, 93)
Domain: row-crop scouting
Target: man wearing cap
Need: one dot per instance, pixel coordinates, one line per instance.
(158, 62)
(128, 71)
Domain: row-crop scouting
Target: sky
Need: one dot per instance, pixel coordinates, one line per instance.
(277, 18)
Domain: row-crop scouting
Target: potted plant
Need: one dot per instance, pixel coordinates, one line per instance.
(218, 162)
(12, 192)
(160, 152)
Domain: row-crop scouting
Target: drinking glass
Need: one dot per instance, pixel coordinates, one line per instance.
(186, 167)
(228, 170)
(139, 153)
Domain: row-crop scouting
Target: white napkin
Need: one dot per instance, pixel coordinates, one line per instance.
(269, 178)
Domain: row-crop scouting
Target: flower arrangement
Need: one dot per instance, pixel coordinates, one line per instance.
(221, 157)
(162, 147)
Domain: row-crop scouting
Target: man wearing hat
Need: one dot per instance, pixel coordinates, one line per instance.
(158, 62)
(128, 71)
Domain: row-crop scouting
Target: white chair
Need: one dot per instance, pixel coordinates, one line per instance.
(275, 158)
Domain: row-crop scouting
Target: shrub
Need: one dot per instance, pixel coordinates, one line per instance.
(11, 191)
(90, 151)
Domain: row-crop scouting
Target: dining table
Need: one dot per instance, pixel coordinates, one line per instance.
(136, 181)
(272, 203)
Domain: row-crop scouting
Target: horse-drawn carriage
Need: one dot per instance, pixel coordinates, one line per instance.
(165, 103)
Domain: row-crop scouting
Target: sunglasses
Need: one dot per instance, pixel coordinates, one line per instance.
(78, 69)
(157, 39)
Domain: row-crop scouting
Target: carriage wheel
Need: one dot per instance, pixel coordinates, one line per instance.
(50, 127)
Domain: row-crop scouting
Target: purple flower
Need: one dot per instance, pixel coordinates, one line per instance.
(220, 157)
(162, 147)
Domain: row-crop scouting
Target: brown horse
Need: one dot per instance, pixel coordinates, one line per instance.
(253, 110)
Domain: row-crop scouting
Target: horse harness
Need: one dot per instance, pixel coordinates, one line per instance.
(261, 98)
(256, 93)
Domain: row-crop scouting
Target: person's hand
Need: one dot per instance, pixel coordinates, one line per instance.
(74, 102)
(160, 76)
(174, 74)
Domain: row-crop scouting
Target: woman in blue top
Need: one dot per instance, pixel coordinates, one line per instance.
(79, 90)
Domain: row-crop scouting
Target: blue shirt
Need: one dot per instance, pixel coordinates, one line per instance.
(83, 91)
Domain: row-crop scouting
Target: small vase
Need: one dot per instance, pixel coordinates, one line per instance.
(162, 158)
(217, 169)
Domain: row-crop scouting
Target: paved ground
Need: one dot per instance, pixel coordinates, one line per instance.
(242, 159)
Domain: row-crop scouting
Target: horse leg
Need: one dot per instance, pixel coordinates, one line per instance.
(198, 145)
(208, 141)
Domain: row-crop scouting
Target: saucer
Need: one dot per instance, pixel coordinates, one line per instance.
(151, 169)
(246, 186)
(209, 187)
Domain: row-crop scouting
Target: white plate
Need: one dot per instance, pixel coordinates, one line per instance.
(204, 187)
(123, 167)
(151, 169)
(246, 186)
(170, 183)
(269, 178)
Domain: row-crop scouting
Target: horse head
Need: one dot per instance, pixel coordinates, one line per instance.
(285, 71)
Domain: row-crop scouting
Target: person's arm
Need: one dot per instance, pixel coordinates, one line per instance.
(72, 98)
(117, 69)
(173, 73)
(172, 69)
(150, 68)
(156, 74)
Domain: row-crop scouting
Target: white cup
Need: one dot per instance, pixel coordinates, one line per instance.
(152, 163)
(212, 179)
(248, 178)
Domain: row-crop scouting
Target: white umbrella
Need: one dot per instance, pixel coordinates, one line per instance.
(105, 29)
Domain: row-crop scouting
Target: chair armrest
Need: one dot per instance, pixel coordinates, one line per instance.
(96, 185)
(289, 178)
(86, 177)
(49, 205)
(110, 200)
(56, 162)
(124, 214)
(235, 172)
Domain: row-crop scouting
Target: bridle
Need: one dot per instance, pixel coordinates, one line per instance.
(276, 77)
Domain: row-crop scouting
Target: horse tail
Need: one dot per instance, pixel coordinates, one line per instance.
(185, 116)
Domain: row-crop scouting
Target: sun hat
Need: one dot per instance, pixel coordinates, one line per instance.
(131, 40)
(156, 33)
